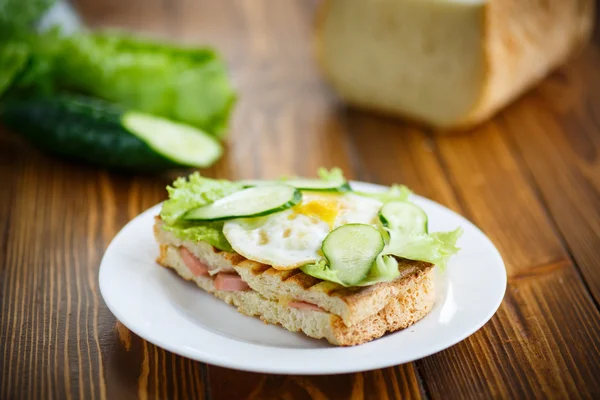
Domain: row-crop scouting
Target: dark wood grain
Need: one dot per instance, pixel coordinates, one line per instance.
(486, 184)
(560, 149)
(529, 178)
(390, 383)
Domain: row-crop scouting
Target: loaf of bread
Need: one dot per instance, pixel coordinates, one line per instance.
(447, 63)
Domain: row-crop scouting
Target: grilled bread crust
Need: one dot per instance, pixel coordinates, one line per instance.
(353, 305)
(413, 300)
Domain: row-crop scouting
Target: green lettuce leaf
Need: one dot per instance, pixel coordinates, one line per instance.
(321, 270)
(210, 232)
(332, 175)
(394, 193)
(13, 58)
(196, 191)
(335, 175)
(384, 269)
(19, 16)
(38, 75)
(435, 248)
(183, 84)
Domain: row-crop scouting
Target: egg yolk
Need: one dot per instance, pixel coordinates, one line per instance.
(324, 208)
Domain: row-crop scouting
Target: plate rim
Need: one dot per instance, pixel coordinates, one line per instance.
(368, 363)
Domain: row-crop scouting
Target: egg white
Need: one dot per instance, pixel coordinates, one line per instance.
(293, 237)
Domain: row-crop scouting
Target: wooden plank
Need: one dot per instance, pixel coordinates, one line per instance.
(136, 368)
(496, 195)
(517, 346)
(390, 383)
(542, 343)
(491, 189)
(58, 337)
(555, 131)
(387, 151)
(499, 199)
(142, 17)
(45, 302)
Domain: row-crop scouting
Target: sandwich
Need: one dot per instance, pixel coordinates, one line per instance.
(312, 255)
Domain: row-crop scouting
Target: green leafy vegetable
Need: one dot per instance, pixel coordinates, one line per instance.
(384, 269)
(395, 193)
(209, 232)
(18, 16)
(17, 21)
(321, 270)
(38, 75)
(334, 175)
(189, 85)
(196, 191)
(183, 84)
(13, 58)
(193, 192)
(435, 248)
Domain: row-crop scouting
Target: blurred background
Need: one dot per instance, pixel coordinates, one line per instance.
(245, 72)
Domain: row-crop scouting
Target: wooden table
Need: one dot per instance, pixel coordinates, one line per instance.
(530, 178)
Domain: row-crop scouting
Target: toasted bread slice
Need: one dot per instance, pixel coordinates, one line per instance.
(352, 305)
(412, 300)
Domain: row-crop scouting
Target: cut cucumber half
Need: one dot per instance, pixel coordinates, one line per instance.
(102, 133)
(251, 202)
(182, 144)
(303, 184)
(351, 250)
(403, 217)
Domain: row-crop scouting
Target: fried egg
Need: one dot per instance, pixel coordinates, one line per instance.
(293, 237)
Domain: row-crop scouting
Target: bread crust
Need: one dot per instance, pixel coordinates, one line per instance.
(521, 43)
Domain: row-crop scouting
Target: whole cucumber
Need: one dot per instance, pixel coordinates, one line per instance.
(91, 130)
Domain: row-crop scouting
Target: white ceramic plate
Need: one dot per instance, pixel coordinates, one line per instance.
(178, 316)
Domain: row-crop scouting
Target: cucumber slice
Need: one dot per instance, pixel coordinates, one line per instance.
(256, 182)
(303, 184)
(318, 185)
(351, 250)
(251, 202)
(182, 144)
(403, 217)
